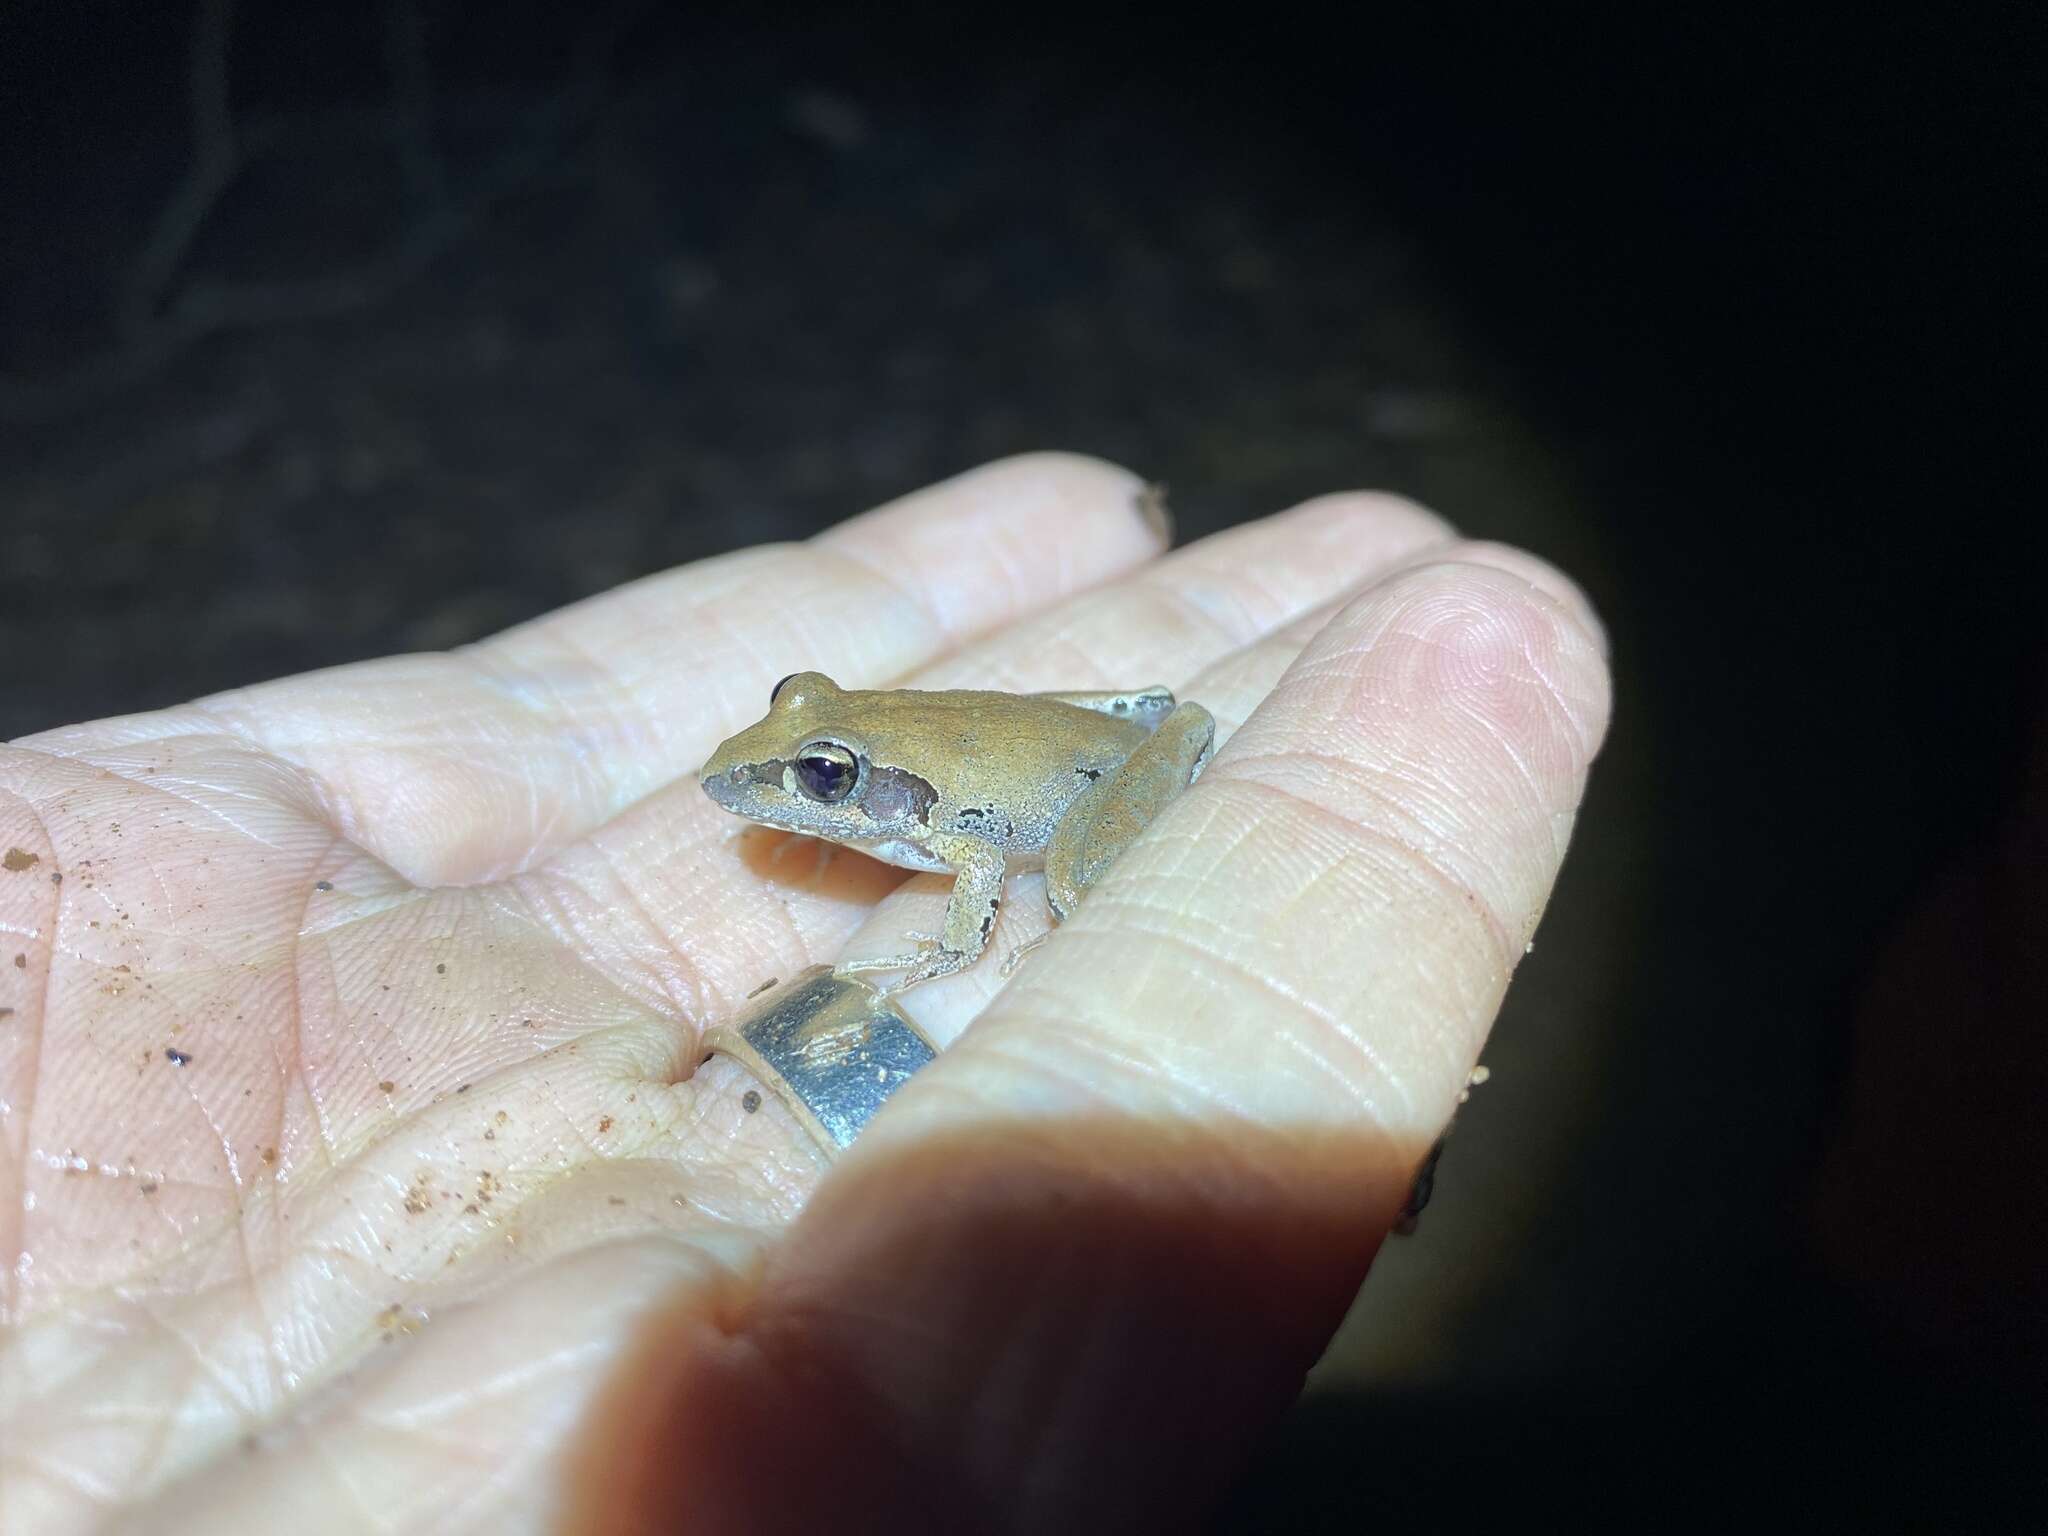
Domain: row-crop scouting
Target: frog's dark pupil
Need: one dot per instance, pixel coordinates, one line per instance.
(777, 689)
(825, 778)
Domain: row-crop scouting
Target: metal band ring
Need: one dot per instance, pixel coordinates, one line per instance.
(830, 1046)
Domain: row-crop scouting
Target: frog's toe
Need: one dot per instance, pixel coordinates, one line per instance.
(863, 963)
(927, 944)
(1016, 956)
(936, 962)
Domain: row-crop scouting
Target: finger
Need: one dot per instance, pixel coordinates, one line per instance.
(1381, 836)
(707, 928)
(462, 766)
(1169, 619)
(1145, 1185)
(1230, 689)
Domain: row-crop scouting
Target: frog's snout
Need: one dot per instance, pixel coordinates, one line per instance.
(726, 784)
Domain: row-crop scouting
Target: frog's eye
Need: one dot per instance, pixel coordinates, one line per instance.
(776, 691)
(826, 771)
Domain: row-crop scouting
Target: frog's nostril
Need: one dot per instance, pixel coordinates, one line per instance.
(727, 785)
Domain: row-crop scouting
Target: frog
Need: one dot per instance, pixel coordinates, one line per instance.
(976, 783)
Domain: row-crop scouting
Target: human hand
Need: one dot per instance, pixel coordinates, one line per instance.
(359, 1169)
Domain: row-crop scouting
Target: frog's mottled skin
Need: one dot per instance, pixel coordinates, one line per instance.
(972, 782)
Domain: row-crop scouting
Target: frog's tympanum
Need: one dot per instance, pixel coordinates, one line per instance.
(976, 783)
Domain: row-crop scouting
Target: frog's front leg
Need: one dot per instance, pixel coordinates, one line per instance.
(978, 870)
(1107, 817)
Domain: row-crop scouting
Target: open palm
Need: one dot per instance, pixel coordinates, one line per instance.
(357, 1169)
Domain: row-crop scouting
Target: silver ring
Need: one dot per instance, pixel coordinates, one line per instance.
(830, 1046)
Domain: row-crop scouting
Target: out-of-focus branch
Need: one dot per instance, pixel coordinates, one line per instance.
(156, 323)
(216, 159)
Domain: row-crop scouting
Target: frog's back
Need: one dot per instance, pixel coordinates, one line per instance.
(1002, 767)
(1020, 735)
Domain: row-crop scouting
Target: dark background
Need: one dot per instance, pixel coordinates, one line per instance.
(495, 308)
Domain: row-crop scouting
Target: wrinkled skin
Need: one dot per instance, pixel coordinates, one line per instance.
(356, 1167)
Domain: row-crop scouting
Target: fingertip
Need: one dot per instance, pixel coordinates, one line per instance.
(1003, 539)
(1362, 534)
(1391, 521)
(1081, 492)
(1543, 576)
(1494, 628)
(1100, 489)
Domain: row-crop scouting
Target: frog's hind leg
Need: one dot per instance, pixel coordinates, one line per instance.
(1107, 817)
(1147, 706)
